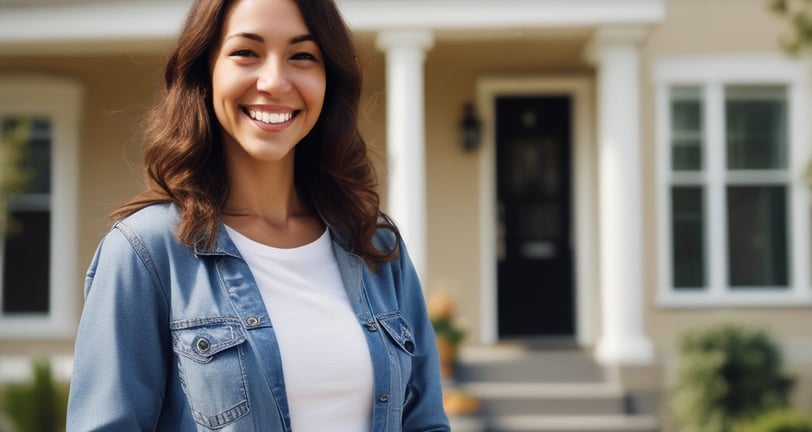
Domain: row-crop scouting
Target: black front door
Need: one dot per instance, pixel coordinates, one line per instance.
(533, 154)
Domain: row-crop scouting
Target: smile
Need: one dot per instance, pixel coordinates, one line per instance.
(270, 117)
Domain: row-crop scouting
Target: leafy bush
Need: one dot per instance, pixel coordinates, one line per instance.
(727, 374)
(780, 420)
(36, 406)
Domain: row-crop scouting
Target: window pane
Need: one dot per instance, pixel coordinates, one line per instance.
(27, 263)
(686, 129)
(757, 236)
(688, 232)
(34, 158)
(756, 119)
(26, 252)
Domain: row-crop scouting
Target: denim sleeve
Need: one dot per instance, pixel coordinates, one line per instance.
(122, 344)
(423, 408)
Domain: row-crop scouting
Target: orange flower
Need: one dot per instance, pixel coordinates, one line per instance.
(441, 306)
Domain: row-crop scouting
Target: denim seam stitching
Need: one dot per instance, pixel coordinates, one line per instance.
(143, 253)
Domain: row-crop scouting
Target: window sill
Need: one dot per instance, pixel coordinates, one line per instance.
(36, 327)
(749, 299)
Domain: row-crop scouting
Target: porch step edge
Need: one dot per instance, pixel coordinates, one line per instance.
(574, 423)
(503, 390)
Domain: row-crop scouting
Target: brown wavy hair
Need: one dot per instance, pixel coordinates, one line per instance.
(183, 153)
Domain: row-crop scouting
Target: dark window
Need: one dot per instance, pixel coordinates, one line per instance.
(27, 232)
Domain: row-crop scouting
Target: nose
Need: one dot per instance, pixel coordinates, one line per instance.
(273, 78)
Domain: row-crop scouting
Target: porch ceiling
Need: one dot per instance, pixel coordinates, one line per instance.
(52, 27)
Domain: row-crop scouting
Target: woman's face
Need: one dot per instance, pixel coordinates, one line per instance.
(268, 80)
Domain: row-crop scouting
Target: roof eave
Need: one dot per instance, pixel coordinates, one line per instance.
(138, 25)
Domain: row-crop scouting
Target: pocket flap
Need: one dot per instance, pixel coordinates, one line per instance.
(397, 329)
(200, 339)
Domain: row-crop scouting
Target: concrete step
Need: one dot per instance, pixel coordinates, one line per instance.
(545, 398)
(554, 423)
(517, 364)
(564, 423)
(546, 390)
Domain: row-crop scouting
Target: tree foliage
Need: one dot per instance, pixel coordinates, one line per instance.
(14, 171)
(798, 13)
(781, 420)
(797, 39)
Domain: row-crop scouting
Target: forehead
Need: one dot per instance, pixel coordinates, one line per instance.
(264, 17)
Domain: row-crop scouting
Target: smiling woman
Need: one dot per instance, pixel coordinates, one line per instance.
(268, 83)
(268, 290)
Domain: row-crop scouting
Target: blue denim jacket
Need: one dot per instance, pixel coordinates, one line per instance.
(175, 339)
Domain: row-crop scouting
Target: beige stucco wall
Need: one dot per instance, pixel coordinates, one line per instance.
(117, 91)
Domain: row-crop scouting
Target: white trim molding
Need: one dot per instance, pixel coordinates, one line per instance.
(137, 25)
(488, 14)
(583, 195)
(92, 20)
(59, 100)
(710, 75)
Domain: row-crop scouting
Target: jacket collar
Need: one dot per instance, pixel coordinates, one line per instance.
(224, 246)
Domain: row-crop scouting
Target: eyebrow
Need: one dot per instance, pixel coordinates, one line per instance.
(255, 37)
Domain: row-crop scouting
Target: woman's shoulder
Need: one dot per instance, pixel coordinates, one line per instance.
(153, 223)
(144, 238)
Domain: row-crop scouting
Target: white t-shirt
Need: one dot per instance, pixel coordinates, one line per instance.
(325, 358)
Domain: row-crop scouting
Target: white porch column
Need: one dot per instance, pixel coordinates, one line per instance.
(405, 136)
(623, 341)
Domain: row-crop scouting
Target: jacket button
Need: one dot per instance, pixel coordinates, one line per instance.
(251, 321)
(384, 398)
(202, 345)
(371, 326)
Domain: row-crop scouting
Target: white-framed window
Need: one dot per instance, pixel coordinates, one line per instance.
(39, 122)
(733, 208)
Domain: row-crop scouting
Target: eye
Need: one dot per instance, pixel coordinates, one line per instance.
(304, 55)
(243, 53)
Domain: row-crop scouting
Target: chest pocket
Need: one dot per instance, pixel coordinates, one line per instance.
(398, 330)
(210, 354)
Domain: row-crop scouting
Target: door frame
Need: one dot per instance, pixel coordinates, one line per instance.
(583, 186)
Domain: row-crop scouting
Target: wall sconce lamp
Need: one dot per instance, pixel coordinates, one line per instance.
(470, 128)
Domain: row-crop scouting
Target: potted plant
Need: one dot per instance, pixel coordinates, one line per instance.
(449, 334)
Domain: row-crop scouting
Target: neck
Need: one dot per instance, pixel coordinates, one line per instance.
(264, 190)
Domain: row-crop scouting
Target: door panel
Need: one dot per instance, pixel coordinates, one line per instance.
(535, 292)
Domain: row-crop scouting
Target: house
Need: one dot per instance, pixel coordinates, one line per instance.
(638, 174)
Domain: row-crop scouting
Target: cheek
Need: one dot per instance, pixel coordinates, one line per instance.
(223, 94)
(316, 87)
(220, 113)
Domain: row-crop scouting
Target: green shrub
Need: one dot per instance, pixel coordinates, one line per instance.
(36, 406)
(780, 420)
(727, 374)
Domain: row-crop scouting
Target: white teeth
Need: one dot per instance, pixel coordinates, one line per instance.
(270, 118)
